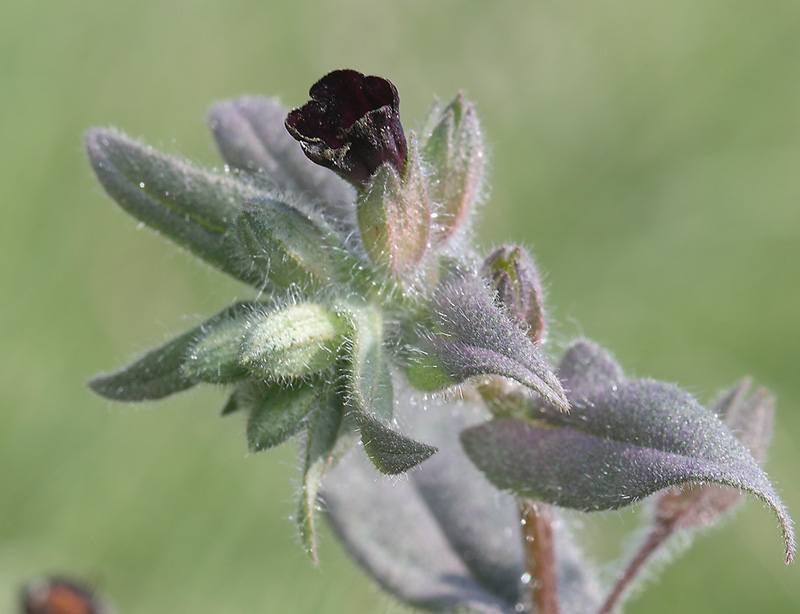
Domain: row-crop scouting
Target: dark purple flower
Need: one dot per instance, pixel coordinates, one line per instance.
(351, 125)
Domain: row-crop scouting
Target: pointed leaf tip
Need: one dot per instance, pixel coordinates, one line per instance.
(474, 336)
(193, 207)
(623, 440)
(391, 452)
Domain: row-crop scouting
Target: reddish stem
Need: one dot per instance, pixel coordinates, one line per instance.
(540, 560)
(658, 534)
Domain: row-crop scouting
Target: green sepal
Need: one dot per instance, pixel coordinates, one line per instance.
(214, 356)
(370, 394)
(455, 152)
(294, 341)
(394, 217)
(390, 451)
(160, 373)
(287, 247)
(276, 412)
(193, 207)
(426, 374)
(331, 433)
(231, 405)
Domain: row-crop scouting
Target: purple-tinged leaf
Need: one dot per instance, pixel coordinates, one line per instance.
(162, 371)
(252, 138)
(623, 440)
(694, 506)
(474, 336)
(193, 207)
(444, 538)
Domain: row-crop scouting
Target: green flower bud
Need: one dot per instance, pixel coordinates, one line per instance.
(294, 341)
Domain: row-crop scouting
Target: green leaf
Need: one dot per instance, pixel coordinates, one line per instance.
(194, 208)
(214, 355)
(370, 393)
(277, 412)
(389, 451)
(288, 247)
(330, 435)
(161, 372)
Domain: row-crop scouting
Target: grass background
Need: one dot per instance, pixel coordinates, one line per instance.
(648, 153)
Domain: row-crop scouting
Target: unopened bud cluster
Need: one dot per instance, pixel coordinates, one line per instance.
(353, 294)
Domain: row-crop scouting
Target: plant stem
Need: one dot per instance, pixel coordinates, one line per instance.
(540, 561)
(658, 534)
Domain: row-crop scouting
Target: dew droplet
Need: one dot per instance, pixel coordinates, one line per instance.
(526, 578)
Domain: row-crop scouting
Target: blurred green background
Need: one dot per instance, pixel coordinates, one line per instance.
(648, 153)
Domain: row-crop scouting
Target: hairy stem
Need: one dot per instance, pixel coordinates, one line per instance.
(658, 534)
(541, 575)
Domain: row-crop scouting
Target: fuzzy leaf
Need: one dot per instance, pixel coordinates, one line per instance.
(251, 137)
(622, 440)
(750, 420)
(390, 451)
(330, 435)
(277, 412)
(194, 208)
(213, 357)
(370, 394)
(161, 372)
(444, 538)
(476, 337)
(287, 247)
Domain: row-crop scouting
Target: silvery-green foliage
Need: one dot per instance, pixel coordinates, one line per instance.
(375, 322)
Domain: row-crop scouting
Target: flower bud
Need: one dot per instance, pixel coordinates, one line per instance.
(454, 150)
(394, 218)
(512, 273)
(295, 341)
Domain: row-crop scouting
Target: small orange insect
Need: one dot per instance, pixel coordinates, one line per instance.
(59, 595)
